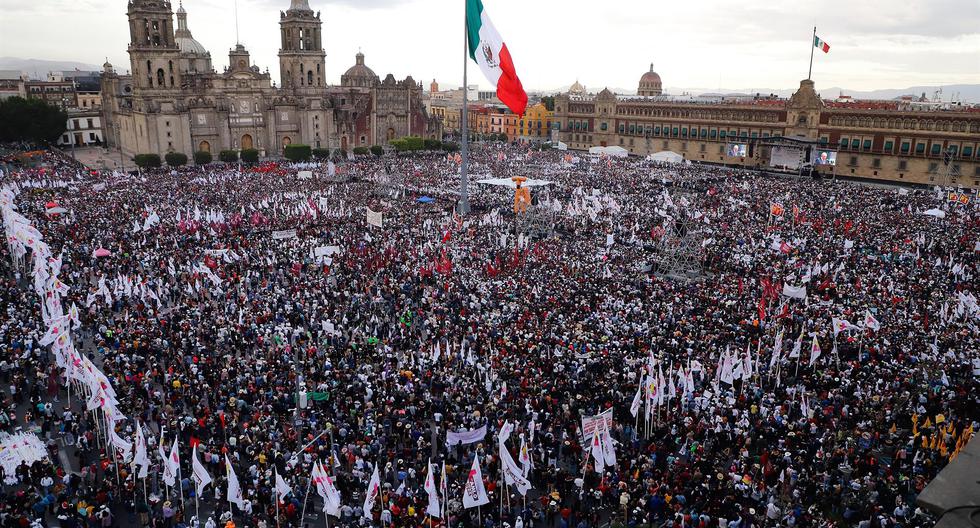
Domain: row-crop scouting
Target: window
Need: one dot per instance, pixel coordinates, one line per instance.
(920, 148)
(683, 131)
(744, 134)
(673, 131)
(867, 144)
(854, 161)
(855, 143)
(967, 152)
(714, 133)
(722, 134)
(91, 136)
(632, 129)
(876, 163)
(933, 167)
(656, 131)
(903, 165)
(889, 146)
(622, 127)
(585, 125)
(843, 143)
(704, 132)
(905, 147)
(936, 147)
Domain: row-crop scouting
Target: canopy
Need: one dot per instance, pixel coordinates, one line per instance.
(667, 156)
(615, 151)
(56, 210)
(102, 252)
(561, 146)
(425, 199)
(507, 182)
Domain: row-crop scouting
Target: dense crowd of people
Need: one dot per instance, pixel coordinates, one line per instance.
(819, 371)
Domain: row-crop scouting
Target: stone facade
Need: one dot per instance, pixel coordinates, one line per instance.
(174, 101)
(876, 140)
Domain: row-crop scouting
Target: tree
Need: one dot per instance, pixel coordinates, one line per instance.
(450, 146)
(321, 153)
(176, 159)
(31, 120)
(432, 144)
(360, 151)
(250, 156)
(228, 156)
(297, 152)
(147, 161)
(340, 154)
(414, 143)
(549, 102)
(202, 157)
(377, 150)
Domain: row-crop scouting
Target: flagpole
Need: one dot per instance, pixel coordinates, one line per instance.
(812, 45)
(464, 200)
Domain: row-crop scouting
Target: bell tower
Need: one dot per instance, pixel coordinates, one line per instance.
(302, 61)
(153, 51)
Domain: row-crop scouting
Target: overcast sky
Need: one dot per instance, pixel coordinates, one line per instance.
(702, 44)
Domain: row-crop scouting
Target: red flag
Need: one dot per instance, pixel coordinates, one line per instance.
(447, 236)
(194, 442)
(221, 416)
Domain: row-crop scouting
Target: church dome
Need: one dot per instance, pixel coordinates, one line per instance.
(190, 45)
(650, 83)
(359, 75)
(185, 41)
(576, 88)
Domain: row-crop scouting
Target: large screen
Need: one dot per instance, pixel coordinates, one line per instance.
(825, 157)
(786, 158)
(737, 150)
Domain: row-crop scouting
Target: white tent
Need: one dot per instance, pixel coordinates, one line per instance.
(561, 146)
(667, 156)
(615, 152)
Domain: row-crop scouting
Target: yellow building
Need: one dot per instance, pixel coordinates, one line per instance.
(536, 124)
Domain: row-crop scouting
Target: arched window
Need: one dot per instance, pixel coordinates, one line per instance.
(301, 68)
(309, 78)
(160, 77)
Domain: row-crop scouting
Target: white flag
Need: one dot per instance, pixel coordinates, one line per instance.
(430, 489)
(608, 449)
(327, 490)
(795, 353)
(282, 489)
(513, 475)
(201, 476)
(234, 488)
(124, 448)
(637, 399)
(169, 477)
(374, 487)
(871, 322)
(141, 459)
(524, 457)
(474, 493)
(596, 451)
(777, 349)
(814, 351)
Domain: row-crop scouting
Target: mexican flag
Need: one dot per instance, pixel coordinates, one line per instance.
(823, 46)
(489, 51)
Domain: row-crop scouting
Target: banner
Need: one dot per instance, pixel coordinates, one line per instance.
(465, 436)
(796, 292)
(284, 234)
(374, 218)
(589, 424)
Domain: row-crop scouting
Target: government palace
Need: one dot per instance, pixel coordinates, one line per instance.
(907, 140)
(174, 101)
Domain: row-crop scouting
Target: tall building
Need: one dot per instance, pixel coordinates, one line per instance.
(174, 101)
(906, 141)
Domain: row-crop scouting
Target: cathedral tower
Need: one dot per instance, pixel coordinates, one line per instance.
(301, 56)
(153, 50)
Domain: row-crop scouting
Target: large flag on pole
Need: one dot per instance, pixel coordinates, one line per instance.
(820, 45)
(430, 489)
(142, 458)
(489, 51)
(282, 489)
(201, 476)
(234, 488)
(475, 494)
(374, 487)
(169, 476)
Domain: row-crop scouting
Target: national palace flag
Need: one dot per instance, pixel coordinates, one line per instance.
(489, 51)
(821, 45)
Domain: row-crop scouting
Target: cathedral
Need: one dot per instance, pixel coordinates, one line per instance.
(175, 101)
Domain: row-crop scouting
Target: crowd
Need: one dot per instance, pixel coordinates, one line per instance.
(252, 314)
